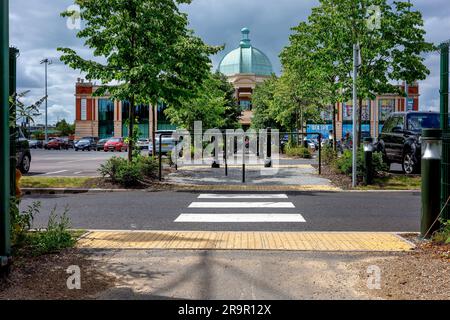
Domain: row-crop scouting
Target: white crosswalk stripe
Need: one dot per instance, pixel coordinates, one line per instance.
(241, 217)
(242, 196)
(219, 205)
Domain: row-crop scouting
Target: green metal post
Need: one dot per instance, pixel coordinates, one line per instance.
(445, 163)
(5, 241)
(13, 52)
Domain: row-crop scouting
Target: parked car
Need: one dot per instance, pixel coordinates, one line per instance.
(115, 144)
(85, 144)
(167, 142)
(93, 139)
(400, 141)
(34, 144)
(101, 144)
(143, 144)
(57, 144)
(23, 154)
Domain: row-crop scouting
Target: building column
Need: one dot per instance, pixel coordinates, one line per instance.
(118, 119)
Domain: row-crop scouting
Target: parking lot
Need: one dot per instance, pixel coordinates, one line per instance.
(68, 163)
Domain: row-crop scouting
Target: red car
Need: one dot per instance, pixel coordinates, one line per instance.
(115, 144)
(57, 144)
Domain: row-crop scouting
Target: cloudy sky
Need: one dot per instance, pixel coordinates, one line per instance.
(37, 30)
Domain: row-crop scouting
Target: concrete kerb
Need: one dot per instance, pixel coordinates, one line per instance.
(216, 188)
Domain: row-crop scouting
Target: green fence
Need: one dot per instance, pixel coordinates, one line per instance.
(445, 175)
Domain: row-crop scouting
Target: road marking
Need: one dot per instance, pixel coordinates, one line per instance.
(237, 217)
(78, 172)
(242, 205)
(56, 172)
(242, 196)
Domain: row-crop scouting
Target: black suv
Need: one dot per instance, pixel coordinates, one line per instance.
(400, 141)
(23, 154)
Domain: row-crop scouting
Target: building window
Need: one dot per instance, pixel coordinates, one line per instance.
(246, 105)
(105, 118)
(142, 114)
(83, 109)
(386, 107)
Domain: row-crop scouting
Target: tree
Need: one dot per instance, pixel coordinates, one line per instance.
(262, 101)
(390, 52)
(64, 128)
(214, 104)
(147, 52)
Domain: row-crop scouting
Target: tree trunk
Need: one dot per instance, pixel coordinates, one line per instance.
(130, 129)
(154, 126)
(334, 128)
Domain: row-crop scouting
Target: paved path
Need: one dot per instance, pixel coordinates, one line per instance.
(236, 211)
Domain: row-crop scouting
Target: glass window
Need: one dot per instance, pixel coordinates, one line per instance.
(83, 109)
(417, 122)
(246, 105)
(386, 107)
(389, 125)
(105, 110)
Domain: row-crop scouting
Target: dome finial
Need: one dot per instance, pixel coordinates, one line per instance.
(245, 42)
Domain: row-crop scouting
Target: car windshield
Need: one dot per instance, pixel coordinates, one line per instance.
(417, 122)
(114, 140)
(103, 141)
(83, 141)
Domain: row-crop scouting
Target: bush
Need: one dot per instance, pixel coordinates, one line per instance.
(21, 222)
(300, 152)
(443, 236)
(129, 174)
(344, 164)
(55, 237)
(329, 156)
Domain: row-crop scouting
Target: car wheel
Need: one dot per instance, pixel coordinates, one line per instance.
(409, 164)
(24, 166)
(76, 149)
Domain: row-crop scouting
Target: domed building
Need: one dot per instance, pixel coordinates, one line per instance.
(245, 67)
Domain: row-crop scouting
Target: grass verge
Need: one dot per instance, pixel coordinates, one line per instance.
(55, 182)
(395, 182)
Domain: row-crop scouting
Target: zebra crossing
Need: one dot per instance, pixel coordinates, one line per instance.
(242, 206)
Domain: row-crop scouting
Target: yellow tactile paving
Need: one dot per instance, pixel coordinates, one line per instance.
(288, 241)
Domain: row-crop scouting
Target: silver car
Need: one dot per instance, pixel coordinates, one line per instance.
(167, 142)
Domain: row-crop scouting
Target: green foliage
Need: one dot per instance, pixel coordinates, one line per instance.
(18, 110)
(214, 104)
(300, 152)
(329, 156)
(147, 48)
(21, 222)
(344, 164)
(129, 174)
(64, 128)
(51, 239)
(443, 236)
(55, 237)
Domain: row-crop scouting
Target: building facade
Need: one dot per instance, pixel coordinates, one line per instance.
(105, 118)
(374, 113)
(244, 68)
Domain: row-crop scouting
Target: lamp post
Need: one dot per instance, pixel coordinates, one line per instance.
(5, 241)
(47, 62)
(356, 63)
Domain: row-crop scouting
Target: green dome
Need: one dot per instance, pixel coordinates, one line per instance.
(246, 59)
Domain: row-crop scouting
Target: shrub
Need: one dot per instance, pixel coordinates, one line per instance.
(300, 152)
(55, 237)
(21, 222)
(443, 236)
(111, 168)
(129, 174)
(344, 164)
(329, 156)
(148, 166)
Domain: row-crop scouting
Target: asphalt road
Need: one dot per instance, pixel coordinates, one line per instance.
(68, 163)
(321, 211)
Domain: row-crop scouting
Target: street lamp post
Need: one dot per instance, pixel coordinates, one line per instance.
(47, 62)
